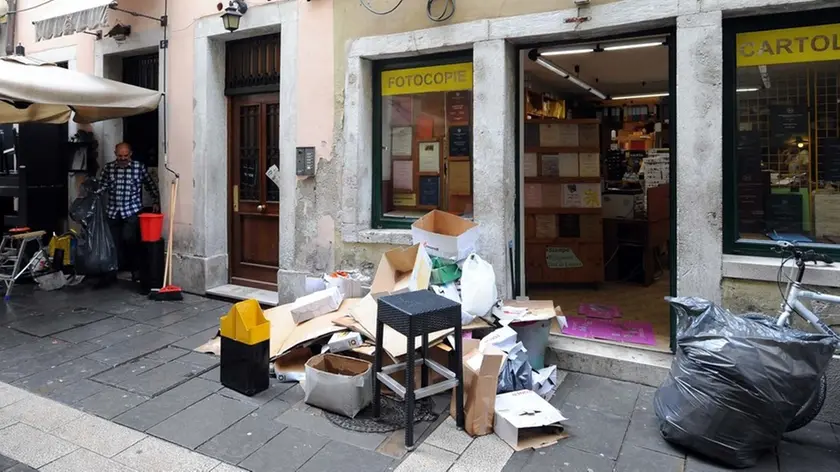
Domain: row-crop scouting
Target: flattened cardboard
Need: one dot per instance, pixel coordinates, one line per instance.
(402, 270)
(445, 235)
(285, 335)
(538, 310)
(481, 378)
(394, 343)
(524, 420)
(290, 367)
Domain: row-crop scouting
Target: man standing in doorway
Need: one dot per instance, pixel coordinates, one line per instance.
(123, 179)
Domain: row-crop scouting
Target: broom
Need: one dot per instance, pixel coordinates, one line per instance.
(169, 292)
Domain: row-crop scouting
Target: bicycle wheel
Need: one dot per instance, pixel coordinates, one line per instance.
(811, 409)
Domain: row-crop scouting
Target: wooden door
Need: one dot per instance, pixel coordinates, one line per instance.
(254, 230)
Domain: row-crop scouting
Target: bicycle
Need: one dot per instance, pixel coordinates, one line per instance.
(792, 304)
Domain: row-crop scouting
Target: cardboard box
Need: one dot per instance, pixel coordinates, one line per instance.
(481, 378)
(344, 341)
(524, 420)
(402, 270)
(348, 283)
(316, 304)
(446, 235)
(339, 384)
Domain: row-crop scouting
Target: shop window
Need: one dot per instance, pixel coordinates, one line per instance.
(783, 137)
(422, 140)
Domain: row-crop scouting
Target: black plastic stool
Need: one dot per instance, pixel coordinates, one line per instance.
(418, 314)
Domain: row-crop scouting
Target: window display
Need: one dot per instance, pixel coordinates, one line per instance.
(787, 141)
(425, 126)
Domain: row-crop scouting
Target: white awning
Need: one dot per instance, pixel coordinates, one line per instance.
(74, 22)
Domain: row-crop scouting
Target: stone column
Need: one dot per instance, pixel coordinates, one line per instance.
(494, 183)
(699, 158)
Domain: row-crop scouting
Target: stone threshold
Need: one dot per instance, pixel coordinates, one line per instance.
(239, 292)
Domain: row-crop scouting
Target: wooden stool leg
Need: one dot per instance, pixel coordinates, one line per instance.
(459, 373)
(424, 370)
(409, 393)
(377, 367)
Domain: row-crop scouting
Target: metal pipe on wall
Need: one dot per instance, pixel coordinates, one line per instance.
(11, 21)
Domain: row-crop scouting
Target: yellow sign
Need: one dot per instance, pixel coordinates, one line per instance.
(445, 78)
(405, 199)
(789, 46)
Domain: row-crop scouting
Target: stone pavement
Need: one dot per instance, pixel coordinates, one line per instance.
(109, 378)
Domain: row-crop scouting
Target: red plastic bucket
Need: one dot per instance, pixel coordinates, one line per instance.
(151, 227)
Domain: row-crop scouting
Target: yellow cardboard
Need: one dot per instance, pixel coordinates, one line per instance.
(245, 323)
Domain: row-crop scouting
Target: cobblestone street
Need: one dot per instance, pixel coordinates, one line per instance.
(108, 380)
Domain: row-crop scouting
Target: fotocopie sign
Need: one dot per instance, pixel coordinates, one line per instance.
(443, 78)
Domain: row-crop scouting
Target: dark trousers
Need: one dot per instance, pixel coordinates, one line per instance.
(126, 234)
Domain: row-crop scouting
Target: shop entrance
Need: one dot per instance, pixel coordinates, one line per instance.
(253, 147)
(596, 187)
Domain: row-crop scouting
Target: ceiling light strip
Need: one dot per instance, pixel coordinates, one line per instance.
(562, 73)
(641, 95)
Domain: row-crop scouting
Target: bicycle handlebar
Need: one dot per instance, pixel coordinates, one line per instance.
(803, 256)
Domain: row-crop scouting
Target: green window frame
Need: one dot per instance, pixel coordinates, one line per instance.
(732, 243)
(378, 219)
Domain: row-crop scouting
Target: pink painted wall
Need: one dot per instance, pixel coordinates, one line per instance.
(315, 75)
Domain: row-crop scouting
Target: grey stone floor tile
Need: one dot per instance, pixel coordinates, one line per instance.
(635, 459)
(11, 338)
(134, 348)
(74, 392)
(6, 462)
(122, 335)
(94, 330)
(10, 313)
(84, 460)
(100, 436)
(799, 458)
(40, 362)
(21, 468)
(350, 458)
(41, 413)
(242, 439)
(126, 371)
(644, 427)
(167, 404)
(604, 395)
(154, 455)
(206, 419)
(150, 311)
(111, 402)
(562, 458)
(227, 468)
(312, 419)
(47, 381)
(198, 339)
(9, 395)
(166, 354)
(816, 434)
(31, 446)
(427, 458)
(114, 307)
(26, 359)
(155, 381)
(298, 448)
(695, 463)
(200, 360)
(56, 322)
(486, 454)
(213, 375)
(274, 389)
(196, 324)
(518, 460)
(593, 431)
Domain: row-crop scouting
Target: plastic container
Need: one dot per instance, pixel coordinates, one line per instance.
(244, 367)
(534, 336)
(151, 227)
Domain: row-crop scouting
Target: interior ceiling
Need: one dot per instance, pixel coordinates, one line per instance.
(612, 72)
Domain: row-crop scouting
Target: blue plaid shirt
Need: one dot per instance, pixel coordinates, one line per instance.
(124, 188)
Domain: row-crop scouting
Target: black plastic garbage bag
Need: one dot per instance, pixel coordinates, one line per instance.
(517, 373)
(736, 382)
(96, 253)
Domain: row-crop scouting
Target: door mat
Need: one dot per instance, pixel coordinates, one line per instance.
(622, 331)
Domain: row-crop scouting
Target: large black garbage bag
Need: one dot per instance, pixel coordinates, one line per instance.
(736, 382)
(96, 253)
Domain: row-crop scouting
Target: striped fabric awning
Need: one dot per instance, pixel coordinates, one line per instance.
(74, 22)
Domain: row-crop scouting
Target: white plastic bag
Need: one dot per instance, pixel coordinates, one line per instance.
(478, 288)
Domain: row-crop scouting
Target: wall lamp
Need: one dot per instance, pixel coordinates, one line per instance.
(119, 32)
(233, 14)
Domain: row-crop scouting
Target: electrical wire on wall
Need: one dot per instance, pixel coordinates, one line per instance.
(445, 14)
